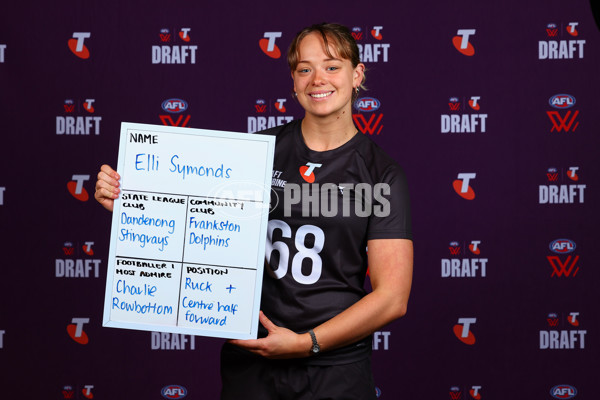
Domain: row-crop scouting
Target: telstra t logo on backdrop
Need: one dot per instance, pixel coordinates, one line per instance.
(268, 46)
(77, 46)
(279, 105)
(461, 41)
(2, 50)
(463, 332)
(87, 391)
(461, 185)
(76, 332)
(76, 188)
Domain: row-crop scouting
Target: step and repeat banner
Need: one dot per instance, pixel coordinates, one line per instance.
(491, 109)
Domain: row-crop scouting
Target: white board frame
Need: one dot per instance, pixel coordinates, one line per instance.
(128, 181)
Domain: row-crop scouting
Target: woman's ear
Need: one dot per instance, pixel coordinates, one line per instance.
(359, 73)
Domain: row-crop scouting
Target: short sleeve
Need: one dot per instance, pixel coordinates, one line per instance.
(390, 216)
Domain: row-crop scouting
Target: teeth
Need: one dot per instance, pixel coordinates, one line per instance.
(321, 95)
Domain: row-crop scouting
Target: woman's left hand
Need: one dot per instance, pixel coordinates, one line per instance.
(279, 343)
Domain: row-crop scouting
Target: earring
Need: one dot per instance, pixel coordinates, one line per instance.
(356, 89)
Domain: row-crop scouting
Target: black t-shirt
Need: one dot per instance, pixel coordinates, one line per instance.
(316, 258)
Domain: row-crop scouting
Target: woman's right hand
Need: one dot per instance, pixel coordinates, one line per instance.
(107, 187)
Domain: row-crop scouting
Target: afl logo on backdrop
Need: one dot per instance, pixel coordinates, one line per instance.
(173, 392)
(562, 246)
(561, 101)
(563, 392)
(174, 106)
(367, 104)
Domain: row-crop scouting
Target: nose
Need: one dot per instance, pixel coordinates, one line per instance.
(319, 78)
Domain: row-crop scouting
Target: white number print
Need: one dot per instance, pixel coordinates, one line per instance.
(303, 252)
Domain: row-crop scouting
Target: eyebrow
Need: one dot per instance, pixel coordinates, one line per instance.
(327, 59)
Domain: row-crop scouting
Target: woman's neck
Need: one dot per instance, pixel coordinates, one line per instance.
(322, 134)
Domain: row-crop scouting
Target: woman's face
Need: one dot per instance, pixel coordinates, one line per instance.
(324, 85)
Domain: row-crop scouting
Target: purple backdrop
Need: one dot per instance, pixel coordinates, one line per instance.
(504, 301)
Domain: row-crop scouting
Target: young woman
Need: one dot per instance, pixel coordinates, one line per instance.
(316, 319)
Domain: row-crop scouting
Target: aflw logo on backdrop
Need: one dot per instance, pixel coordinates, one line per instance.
(174, 108)
(366, 119)
(167, 53)
(563, 266)
(566, 121)
(371, 52)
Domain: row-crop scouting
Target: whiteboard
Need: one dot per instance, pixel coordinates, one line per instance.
(188, 231)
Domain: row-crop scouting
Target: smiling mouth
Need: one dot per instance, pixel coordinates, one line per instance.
(320, 95)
